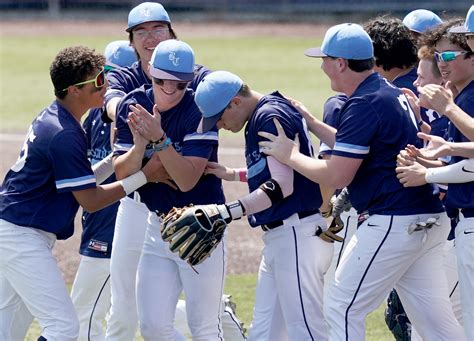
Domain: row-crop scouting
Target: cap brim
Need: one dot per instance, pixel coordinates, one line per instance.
(207, 123)
(315, 52)
(170, 75)
(459, 29)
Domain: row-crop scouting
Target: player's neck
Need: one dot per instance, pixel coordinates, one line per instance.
(76, 109)
(352, 81)
(252, 102)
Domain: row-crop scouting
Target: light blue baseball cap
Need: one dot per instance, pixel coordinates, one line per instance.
(468, 26)
(173, 60)
(119, 53)
(213, 95)
(146, 12)
(421, 20)
(348, 41)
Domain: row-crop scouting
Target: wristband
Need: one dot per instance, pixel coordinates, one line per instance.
(163, 146)
(133, 182)
(236, 210)
(240, 174)
(420, 123)
(161, 139)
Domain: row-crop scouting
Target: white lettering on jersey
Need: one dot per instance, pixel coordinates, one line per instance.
(406, 106)
(20, 163)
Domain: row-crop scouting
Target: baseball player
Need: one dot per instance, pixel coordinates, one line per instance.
(289, 293)
(42, 192)
(455, 59)
(90, 291)
(421, 21)
(375, 123)
(148, 25)
(162, 275)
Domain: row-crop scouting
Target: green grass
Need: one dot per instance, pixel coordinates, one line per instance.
(266, 64)
(242, 288)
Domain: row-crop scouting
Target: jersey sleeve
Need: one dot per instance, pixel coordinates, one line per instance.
(358, 126)
(199, 144)
(123, 136)
(68, 156)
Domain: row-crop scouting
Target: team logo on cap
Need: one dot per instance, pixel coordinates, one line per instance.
(173, 58)
(145, 12)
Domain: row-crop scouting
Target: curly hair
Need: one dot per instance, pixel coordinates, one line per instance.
(442, 32)
(394, 45)
(74, 65)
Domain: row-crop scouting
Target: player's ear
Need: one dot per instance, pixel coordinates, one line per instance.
(342, 64)
(236, 100)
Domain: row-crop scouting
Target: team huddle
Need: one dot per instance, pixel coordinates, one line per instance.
(383, 211)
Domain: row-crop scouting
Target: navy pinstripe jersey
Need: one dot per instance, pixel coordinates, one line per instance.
(461, 195)
(180, 124)
(376, 123)
(37, 191)
(306, 194)
(98, 227)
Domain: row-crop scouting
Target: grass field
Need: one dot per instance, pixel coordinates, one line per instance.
(266, 63)
(242, 288)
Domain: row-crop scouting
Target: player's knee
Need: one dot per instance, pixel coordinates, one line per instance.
(151, 330)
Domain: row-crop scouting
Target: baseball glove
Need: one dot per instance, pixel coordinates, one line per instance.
(195, 231)
(330, 235)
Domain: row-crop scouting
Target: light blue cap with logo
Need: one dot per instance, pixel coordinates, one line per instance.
(348, 41)
(468, 26)
(213, 95)
(421, 20)
(119, 53)
(173, 60)
(146, 12)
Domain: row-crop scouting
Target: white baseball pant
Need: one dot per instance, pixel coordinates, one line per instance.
(465, 254)
(29, 273)
(290, 284)
(350, 227)
(381, 256)
(162, 276)
(130, 228)
(90, 295)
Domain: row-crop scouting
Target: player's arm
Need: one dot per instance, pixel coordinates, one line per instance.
(111, 107)
(417, 175)
(226, 173)
(336, 172)
(97, 198)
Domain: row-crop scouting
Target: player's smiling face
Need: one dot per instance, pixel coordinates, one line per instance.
(168, 93)
(330, 68)
(459, 71)
(425, 74)
(147, 36)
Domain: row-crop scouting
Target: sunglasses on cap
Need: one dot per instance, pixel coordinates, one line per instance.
(179, 85)
(448, 56)
(99, 80)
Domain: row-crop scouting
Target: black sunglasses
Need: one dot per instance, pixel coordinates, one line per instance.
(179, 85)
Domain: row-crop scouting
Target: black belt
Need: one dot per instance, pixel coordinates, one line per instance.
(301, 215)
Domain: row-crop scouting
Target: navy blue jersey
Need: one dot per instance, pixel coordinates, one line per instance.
(37, 191)
(180, 124)
(306, 194)
(376, 123)
(98, 227)
(331, 116)
(461, 195)
(407, 80)
(124, 80)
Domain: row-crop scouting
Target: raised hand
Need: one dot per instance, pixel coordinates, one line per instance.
(148, 125)
(436, 97)
(412, 175)
(437, 147)
(279, 146)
